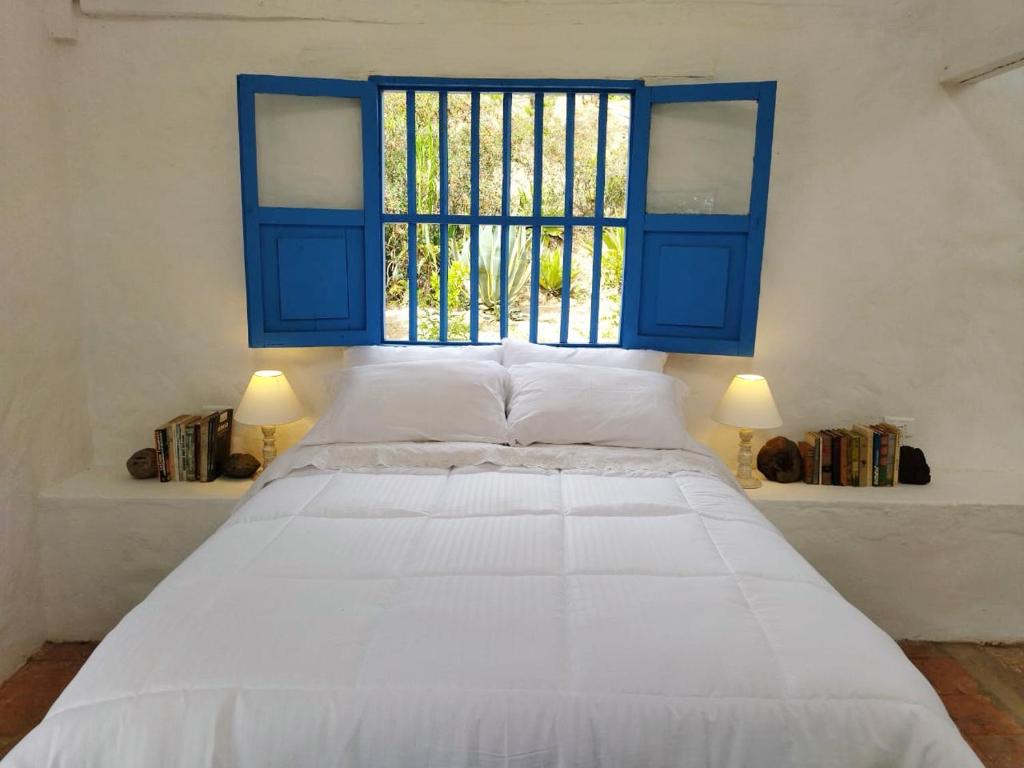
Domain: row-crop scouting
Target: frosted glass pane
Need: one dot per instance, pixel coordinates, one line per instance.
(701, 157)
(309, 151)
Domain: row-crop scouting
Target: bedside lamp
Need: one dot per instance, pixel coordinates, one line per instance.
(749, 405)
(268, 401)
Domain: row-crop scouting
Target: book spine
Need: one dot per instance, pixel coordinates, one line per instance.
(854, 459)
(161, 454)
(211, 445)
(844, 460)
(195, 451)
(179, 441)
(865, 458)
(837, 448)
(188, 453)
(883, 459)
(810, 468)
(876, 459)
(891, 468)
(171, 448)
(899, 446)
(825, 459)
(192, 475)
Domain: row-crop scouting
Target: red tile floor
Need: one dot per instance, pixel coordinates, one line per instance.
(981, 686)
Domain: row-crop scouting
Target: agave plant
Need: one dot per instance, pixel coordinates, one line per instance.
(489, 281)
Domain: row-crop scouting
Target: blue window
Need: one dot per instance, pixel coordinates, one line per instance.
(415, 210)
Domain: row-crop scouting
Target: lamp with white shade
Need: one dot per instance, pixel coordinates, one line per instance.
(269, 400)
(749, 405)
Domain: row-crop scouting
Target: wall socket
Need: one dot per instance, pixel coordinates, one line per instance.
(906, 423)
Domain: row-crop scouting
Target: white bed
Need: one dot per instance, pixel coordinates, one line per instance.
(456, 605)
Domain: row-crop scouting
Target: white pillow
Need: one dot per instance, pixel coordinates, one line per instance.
(458, 400)
(518, 352)
(394, 353)
(565, 404)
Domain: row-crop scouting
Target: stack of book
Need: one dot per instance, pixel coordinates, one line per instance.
(861, 455)
(191, 447)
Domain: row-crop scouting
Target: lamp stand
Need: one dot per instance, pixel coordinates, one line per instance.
(270, 446)
(744, 466)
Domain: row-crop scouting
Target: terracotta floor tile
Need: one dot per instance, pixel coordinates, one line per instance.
(30, 692)
(946, 675)
(976, 715)
(7, 744)
(920, 649)
(1000, 751)
(1011, 656)
(77, 652)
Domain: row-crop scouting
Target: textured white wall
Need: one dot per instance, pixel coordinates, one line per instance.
(893, 264)
(43, 419)
(979, 33)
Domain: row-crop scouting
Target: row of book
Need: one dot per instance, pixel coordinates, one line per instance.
(864, 455)
(193, 447)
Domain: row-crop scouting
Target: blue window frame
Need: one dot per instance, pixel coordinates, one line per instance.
(693, 279)
(315, 275)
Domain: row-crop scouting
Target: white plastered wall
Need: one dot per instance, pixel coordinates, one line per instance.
(43, 420)
(892, 271)
(893, 267)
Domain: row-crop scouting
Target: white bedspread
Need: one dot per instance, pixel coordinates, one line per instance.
(373, 607)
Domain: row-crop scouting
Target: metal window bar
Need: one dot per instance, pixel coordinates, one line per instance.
(410, 165)
(595, 282)
(570, 145)
(538, 184)
(536, 221)
(442, 151)
(506, 188)
(474, 208)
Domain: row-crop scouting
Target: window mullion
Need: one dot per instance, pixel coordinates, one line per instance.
(442, 143)
(474, 235)
(595, 283)
(538, 174)
(506, 185)
(410, 165)
(570, 130)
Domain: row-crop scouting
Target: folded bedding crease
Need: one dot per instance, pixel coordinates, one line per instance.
(467, 604)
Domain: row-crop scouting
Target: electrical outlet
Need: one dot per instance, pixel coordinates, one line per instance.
(906, 423)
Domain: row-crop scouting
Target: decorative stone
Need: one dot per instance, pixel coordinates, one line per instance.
(914, 469)
(142, 464)
(779, 460)
(240, 466)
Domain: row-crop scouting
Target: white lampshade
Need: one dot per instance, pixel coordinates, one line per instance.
(748, 404)
(268, 400)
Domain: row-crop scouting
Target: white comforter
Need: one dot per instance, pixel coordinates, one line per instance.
(528, 608)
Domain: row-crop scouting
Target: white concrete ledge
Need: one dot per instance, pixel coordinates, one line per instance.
(943, 561)
(108, 539)
(940, 562)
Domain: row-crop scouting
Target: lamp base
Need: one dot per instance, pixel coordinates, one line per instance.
(745, 462)
(269, 447)
(748, 484)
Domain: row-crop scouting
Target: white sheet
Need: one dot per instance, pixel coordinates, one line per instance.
(557, 606)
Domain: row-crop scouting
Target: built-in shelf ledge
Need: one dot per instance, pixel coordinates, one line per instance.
(947, 488)
(115, 483)
(942, 561)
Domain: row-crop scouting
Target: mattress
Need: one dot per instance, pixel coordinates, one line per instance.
(463, 605)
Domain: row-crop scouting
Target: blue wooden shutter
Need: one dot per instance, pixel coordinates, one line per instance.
(313, 276)
(692, 280)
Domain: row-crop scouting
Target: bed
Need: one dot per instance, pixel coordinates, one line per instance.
(463, 603)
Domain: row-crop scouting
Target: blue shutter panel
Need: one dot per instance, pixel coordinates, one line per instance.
(691, 281)
(313, 275)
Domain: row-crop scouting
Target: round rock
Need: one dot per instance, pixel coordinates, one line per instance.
(779, 460)
(241, 465)
(142, 464)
